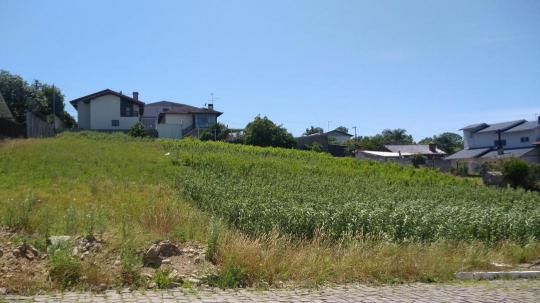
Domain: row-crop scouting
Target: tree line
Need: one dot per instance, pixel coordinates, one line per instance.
(36, 97)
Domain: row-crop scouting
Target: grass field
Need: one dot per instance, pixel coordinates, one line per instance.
(272, 216)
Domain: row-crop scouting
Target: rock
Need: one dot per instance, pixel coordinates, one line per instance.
(117, 263)
(101, 287)
(55, 240)
(75, 251)
(84, 255)
(151, 257)
(3, 291)
(197, 260)
(26, 251)
(152, 285)
(494, 178)
(157, 252)
(166, 261)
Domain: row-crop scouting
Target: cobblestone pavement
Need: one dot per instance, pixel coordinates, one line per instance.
(496, 291)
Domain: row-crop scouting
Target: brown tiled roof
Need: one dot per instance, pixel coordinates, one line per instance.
(104, 93)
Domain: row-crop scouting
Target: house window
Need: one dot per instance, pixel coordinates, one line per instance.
(115, 123)
(524, 139)
(126, 108)
(202, 121)
(496, 142)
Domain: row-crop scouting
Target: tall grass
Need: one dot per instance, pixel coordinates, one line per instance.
(285, 215)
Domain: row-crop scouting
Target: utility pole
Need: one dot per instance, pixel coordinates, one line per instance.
(54, 108)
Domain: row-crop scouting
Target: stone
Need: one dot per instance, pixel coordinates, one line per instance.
(157, 252)
(493, 178)
(3, 291)
(166, 261)
(55, 240)
(16, 253)
(194, 281)
(117, 263)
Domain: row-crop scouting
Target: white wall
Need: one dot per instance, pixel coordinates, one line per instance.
(106, 108)
(185, 120)
(514, 139)
(83, 112)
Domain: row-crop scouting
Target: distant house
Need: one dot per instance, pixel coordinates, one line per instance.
(108, 110)
(405, 154)
(488, 142)
(430, 151)
(332, 142)
(176, 120)
(338, 137)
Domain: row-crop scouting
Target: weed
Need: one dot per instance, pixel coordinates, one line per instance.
(162, 279)
(18, 212)
(64, 269)
(71, 220)
(214, 231)
(131, 263)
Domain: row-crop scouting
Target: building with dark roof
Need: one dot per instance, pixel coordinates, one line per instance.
(487, 142)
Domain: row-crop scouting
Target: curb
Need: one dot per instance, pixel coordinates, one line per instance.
(494, 275)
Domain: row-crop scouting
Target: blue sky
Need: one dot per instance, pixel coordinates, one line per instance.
(426, 66)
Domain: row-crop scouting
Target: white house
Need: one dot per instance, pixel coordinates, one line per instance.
(338, 137)
(108, 110)
(177, 120)
(487, 142)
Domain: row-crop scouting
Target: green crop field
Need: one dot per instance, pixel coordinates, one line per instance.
(302, 194)
(267, 216)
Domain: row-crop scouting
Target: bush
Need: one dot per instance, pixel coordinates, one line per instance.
(64, 269)
(137, 130)
(17, 213)
(233, 276)
(418, 160)
(214, 232)
(162, 279)
(131, 263)
(516, 173)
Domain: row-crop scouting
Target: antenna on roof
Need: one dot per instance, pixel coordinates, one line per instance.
(211, 101)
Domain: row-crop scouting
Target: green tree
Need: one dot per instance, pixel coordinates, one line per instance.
(313, 130)
(264, 132)
(449, 142)
(516, 172)
(37, 98)
(396, 136)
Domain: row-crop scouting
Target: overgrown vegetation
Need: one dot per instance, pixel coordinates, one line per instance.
(279, 215)
(303, 194)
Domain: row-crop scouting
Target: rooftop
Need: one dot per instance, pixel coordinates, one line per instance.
(503, 126)
(104, 93)
(422, 149)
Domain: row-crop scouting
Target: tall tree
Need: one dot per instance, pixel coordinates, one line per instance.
(449, 142)
(264, 132)
(37, 97)
(313, 130)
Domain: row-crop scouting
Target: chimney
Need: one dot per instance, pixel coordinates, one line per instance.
(210, 106)
(432, 148)
(136, 96)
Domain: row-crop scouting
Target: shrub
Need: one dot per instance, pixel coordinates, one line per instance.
(316, 147)
(64, 269)
(516, 173)
(162, 279)
(418, 160)
(232, 276)
(214, 231)
(137, 130)
(131, 264)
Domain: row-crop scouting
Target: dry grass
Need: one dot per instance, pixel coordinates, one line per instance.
(275, 259)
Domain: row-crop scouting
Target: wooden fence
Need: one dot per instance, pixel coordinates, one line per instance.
(37, 127)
